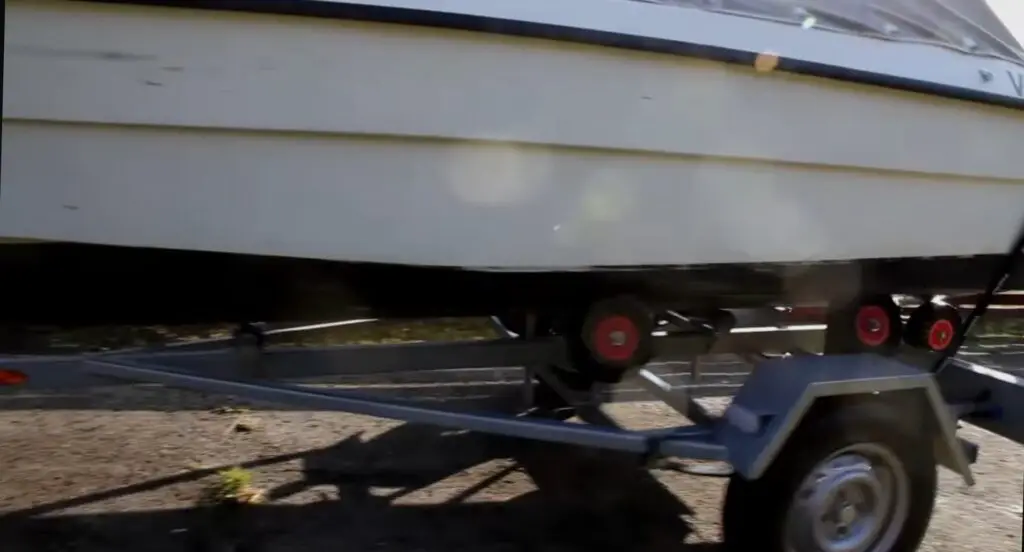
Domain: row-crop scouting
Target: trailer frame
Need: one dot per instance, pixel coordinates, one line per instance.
(777, 408)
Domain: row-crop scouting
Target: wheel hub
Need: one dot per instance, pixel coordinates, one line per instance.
(849, 503)
(846, 502)
(872, 325)
(941, 335)
(848, 514)
(616, 338)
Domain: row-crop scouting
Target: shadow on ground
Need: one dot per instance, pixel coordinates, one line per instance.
(389, 493)
(579, 500)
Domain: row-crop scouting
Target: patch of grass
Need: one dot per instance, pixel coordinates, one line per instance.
(996, 327)
(232, 486)
(74, 340)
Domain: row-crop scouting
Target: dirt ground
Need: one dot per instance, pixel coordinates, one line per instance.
(116, 477)
(120, 469)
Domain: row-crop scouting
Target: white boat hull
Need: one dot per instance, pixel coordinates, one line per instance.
(300, 137)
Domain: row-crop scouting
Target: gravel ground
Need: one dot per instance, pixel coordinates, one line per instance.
(125, 474)
(120, 469)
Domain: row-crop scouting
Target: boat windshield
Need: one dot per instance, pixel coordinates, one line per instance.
(992, 28)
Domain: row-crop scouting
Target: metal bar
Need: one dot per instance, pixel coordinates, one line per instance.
(539, 429)
(986, 397)
(500, 328)
(696, 443)
(1011, 262)
(678, 399)
(572, 398)
(809, 338)
(309, 362)
(776, 318)
(529, 395)
(323, 363)
(302, 363)
(320, 326)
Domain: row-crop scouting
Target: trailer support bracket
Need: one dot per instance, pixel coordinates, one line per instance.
(780, 393)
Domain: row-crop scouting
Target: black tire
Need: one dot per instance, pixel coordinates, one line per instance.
(754, 512)
(583, 355)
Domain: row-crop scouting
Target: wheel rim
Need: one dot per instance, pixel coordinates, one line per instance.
(857, 500)
(940, 335)
(616, 338)
(872, 325)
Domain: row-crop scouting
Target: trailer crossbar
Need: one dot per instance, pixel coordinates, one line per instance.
(692, 442)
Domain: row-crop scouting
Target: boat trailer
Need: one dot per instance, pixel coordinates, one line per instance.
(828, 452)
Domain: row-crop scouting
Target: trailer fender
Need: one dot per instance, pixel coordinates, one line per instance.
(781, 393)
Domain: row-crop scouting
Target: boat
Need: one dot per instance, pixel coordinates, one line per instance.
(254, 160)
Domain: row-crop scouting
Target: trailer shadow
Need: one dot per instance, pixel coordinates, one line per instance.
(405, 489)
(396, 491)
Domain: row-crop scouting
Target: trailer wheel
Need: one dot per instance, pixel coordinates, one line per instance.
(871, 324)
(932, 327)
(851, 480)
(614, 336)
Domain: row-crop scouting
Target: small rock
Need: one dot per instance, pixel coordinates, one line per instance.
(228, 409)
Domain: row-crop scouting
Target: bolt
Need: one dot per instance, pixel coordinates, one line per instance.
(847, 515)
(618, 338)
